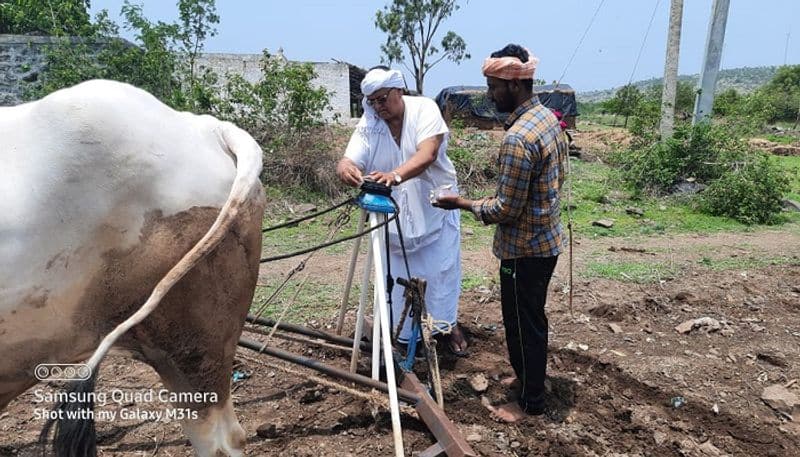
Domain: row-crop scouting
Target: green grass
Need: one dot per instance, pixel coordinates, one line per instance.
(315, 300)
(596, 195)
(636, 272)
(309, 233)
(597, 121)
(792, 163)
(651, 272)
(471, 280)
(474, 235)
(782, 139)
(746, 262)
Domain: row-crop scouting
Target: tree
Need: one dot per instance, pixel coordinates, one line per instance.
(726, 102)
(161, 61)
(784, 89)
(413, 24)
(198, 18)
(52, 17)
(684, 97)
(282, 104)
(624, 102)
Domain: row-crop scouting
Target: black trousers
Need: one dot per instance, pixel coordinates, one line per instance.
(523, 292)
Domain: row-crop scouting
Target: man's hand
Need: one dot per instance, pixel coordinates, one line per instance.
(349, 173)
(452, 202)
(385, 178)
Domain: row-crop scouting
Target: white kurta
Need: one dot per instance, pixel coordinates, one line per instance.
(431, 235)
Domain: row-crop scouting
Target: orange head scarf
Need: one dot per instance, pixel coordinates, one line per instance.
(510, 67)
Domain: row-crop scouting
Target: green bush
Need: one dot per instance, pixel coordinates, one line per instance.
(625, 102)
(644, 124)
(726, 102)
(784, 88)
(752, 112)
(749, 192)
(284, 113)
(701, 152)
(472, 153)
(740, 183)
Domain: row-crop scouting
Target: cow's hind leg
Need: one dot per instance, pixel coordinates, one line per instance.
(191, 340)
(206, 413)
(216, 429)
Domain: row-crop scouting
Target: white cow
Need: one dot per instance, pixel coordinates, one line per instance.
(126, 223)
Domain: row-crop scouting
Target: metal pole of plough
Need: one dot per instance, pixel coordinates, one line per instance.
(314, 364)
(310, 332)
(362, 302)
(376, 334)
(349, 280)
(382, 316)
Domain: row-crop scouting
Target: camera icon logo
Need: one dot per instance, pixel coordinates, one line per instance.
(62, 372)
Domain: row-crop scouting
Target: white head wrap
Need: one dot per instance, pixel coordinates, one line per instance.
(379, 79)
(373, 81)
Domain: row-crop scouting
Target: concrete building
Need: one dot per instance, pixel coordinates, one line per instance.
(342, 80)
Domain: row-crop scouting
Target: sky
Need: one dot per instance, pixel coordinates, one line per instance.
(759, 32)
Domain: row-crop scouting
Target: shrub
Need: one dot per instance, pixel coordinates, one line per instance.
(740, 183)
(752, 113)
(644, 124)
(701, 152)
(726, 102)
(749, 192)
(472, 155)
(307, 163)
(785, 91)
(282, 105)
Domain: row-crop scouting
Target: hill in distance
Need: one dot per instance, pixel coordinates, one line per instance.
(744, 80)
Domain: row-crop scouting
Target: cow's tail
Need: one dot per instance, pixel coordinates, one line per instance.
(76, 437)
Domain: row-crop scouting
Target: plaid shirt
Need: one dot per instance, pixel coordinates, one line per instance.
(526, 205)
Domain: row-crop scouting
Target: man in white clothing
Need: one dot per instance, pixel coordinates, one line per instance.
(401, 141)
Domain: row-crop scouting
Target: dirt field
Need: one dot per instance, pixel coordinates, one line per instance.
(616, 367)
(623, 380)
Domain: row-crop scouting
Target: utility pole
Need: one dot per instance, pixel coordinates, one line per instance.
(786, 47)
(668, 93)
(708, 76)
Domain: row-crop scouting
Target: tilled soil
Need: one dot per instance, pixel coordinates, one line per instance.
(623, 381)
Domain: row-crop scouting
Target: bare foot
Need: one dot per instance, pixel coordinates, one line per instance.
(511, 381)
(508, 412)
(457, 342)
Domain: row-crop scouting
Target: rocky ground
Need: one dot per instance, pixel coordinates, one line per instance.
(702, 360)
(704, 363)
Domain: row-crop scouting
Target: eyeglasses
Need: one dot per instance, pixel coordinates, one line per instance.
(378, 100)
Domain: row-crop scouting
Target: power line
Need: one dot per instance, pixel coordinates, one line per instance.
(580, 42)
(636, 64)
(646, 33)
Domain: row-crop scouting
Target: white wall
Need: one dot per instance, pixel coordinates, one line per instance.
(335, 77)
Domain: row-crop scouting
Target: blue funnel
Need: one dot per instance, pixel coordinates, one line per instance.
(375, 203)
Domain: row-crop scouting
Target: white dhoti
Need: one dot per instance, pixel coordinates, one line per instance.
(439, 264)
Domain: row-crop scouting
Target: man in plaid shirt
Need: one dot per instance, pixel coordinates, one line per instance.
(526, 208)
